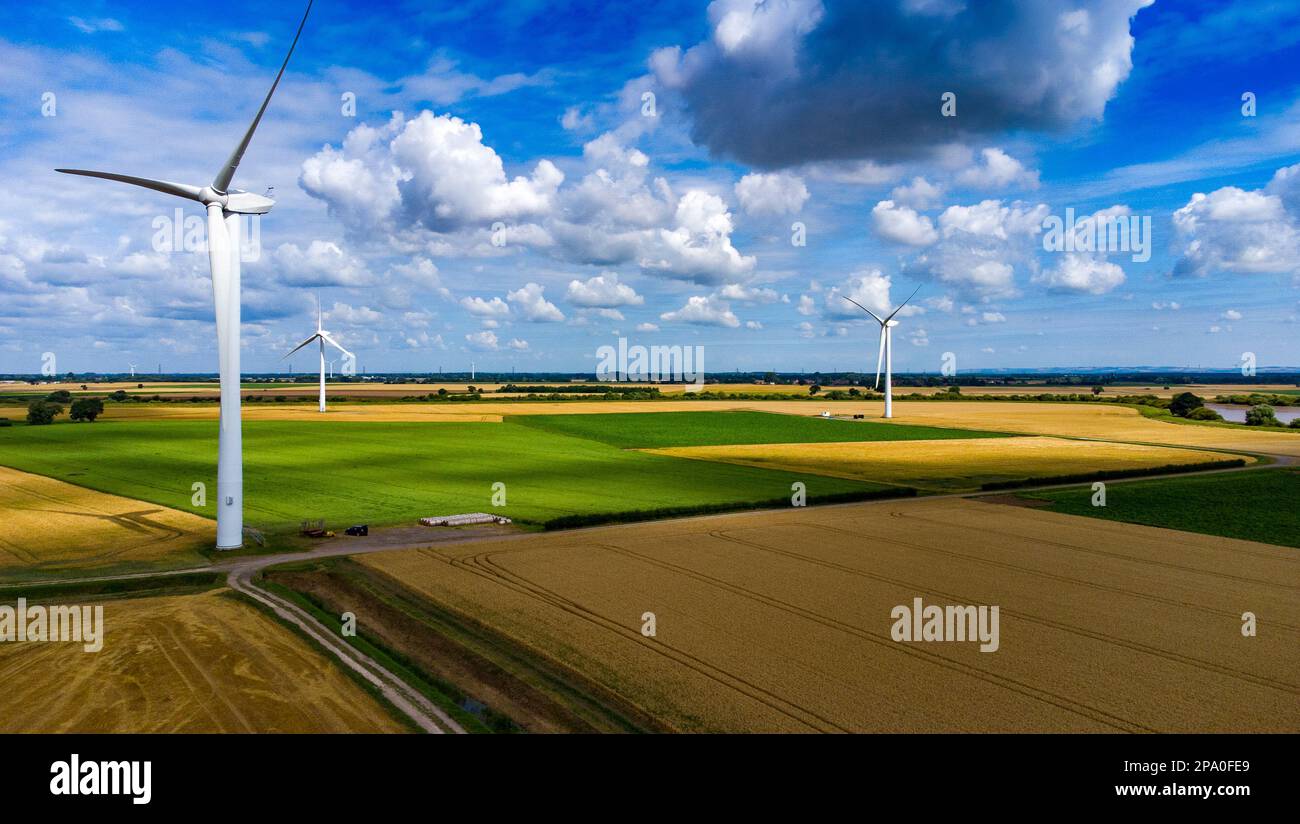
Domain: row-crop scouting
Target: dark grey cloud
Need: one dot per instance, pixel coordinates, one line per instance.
(784, 82)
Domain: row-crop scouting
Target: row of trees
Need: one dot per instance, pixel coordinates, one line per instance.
(43, 412)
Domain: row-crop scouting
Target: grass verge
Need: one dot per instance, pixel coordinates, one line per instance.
(633, 516)
(508, 686)
(185, 584)
(445, 696)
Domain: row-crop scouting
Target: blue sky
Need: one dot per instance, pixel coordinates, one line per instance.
(504, 194)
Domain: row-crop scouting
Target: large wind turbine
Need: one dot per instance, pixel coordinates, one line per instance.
(886, 355)
(322, 337)
(224, 206)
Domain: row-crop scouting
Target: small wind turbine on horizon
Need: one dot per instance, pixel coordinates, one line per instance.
(132, 365)
(224, 205)
(886, 355)
(321, 337)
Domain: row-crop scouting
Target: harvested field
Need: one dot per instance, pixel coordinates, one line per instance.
(1204, 390)
(192, 663)
(948, 465)
(781, 621)
(1100, 421)
(51, 527)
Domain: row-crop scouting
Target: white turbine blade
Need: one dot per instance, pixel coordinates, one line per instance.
(319, 319)
(222, 181)
(904, 303)
(301, 345)
(334, 343)
(880, 359)
(863, 308)
(166, 187)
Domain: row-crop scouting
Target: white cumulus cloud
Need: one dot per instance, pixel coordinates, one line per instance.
(703, 311)
(901, 224)
(779, 193)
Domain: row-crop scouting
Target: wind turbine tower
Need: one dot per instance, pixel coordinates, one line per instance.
(886, 354)
(321, 337)
(225, 207)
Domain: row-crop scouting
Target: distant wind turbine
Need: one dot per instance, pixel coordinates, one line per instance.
(886, 355)
(224, 205)
(321, 337)
(132, 365)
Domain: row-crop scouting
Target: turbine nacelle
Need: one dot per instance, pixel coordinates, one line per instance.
(247, 203)
(236, 201)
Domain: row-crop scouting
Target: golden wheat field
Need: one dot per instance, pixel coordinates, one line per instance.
(1100, 421)
(947, 465)
(186, 663)
(1159, 390)
(51, 526)
(782, 621)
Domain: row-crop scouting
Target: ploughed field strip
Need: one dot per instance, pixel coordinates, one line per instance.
(1253, 506)
(400, 390)
(781, 621)
(387, 473)
(950, 465)
(187, 663)
(1101, 421)
(663, 429)
(51, 527)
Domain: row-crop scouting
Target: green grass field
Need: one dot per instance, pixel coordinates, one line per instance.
(385, 473)
(648, 430)
(1258, 505)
